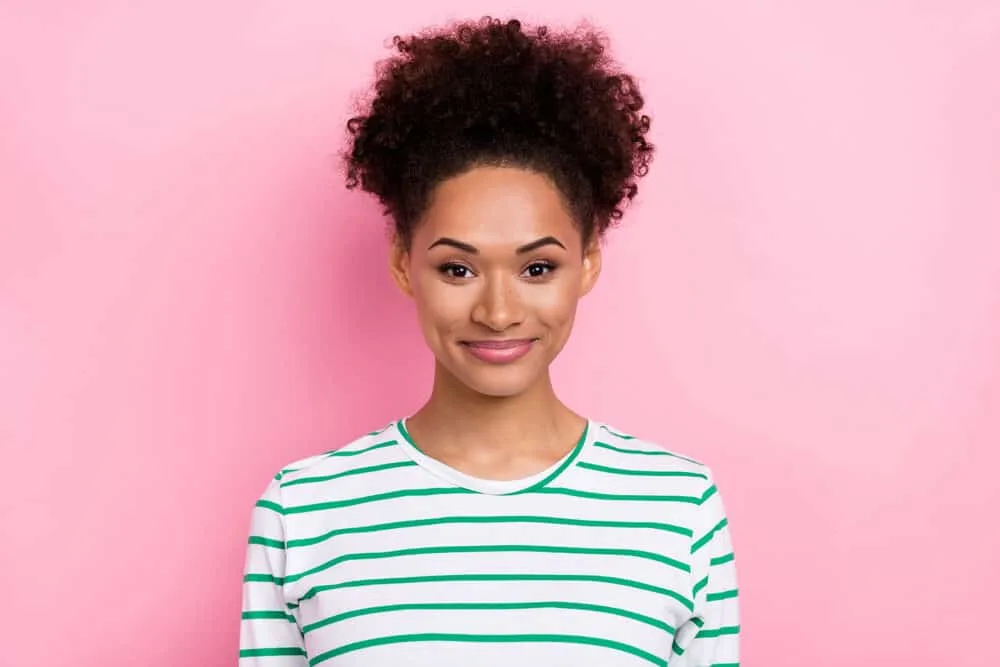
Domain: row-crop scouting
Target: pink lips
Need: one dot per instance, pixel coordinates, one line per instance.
(499, 351)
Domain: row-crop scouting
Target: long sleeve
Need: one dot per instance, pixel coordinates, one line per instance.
(711, 637)
(269, 633)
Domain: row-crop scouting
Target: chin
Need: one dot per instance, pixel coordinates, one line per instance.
(497, 387)
(498, 382)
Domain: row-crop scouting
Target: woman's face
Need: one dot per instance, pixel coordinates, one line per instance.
(496, 268)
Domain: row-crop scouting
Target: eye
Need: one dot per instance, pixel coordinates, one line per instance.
(455, 271)
(539, 269)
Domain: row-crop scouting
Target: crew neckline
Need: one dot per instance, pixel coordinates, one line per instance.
(494, 487)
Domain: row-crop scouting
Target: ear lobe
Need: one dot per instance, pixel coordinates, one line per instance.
(399, 261)
(592, 261)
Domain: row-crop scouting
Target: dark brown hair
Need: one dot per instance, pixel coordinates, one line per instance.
(493, 93)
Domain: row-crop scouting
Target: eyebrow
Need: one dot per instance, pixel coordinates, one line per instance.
(473, 250)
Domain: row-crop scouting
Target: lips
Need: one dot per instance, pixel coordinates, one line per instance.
(499, 351)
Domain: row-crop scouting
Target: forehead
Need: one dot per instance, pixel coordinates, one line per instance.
(498, 207)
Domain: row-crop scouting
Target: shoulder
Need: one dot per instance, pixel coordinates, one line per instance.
(370, 449)
(644, 466)
(613, 444)
(617, 451)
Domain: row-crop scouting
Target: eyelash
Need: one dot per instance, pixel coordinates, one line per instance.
(446, 269)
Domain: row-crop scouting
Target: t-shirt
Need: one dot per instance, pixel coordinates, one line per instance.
(376, 554)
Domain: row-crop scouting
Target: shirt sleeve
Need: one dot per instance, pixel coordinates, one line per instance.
(710, 638)
(269, 632)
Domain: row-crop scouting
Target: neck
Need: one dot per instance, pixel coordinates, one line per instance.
(456, 414)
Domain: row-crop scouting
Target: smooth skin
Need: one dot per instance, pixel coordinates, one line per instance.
(496, 256)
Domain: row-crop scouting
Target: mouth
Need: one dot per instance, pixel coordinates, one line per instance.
(499, 351)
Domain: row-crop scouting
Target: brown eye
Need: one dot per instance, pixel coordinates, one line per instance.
(456, 271)
(539, 269)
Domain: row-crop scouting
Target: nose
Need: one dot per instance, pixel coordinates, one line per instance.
(499, 305)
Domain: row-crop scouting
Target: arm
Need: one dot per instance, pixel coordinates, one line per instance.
(269, 633)
(711, 637)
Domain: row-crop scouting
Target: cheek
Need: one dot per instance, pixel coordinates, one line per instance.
(553, 309)
(440, 307)
(557, 306)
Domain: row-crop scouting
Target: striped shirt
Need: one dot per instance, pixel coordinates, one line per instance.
(375, 555)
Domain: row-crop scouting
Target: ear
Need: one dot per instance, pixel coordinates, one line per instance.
(591, 266)
(399, 266)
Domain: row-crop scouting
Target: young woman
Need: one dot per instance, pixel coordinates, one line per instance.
(494, 526)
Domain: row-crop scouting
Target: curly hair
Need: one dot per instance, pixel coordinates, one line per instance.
(491, 92)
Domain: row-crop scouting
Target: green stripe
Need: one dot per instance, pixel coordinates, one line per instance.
(616, 496)
(722, 560)
(722, 595)
(490, 606)
(486, 549)
(700, 585)
(488, 639)
(348, 473)
(288, 471)
(262, 579)
(312, 592)
(391, 495)
(418, 523)
(267, 615)
(626, 450)
(708, 537)
(342, 452)
(647, 452)
(269, 505)
(574, 455)
(707, 634)
(643, 473)
(409, 493)
(270, 652)
(711, 491)
(676, 648)
(266, 542)
(623, 436)
(401, 427)
(718, 632)
(363, 450)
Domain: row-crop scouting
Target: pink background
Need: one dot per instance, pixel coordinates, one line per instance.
(806, 296)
